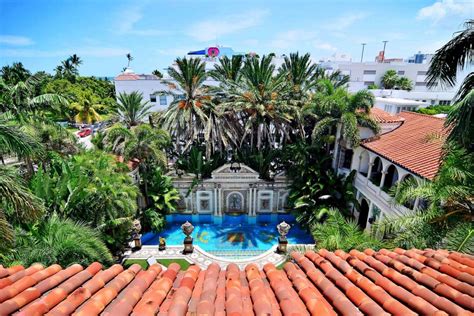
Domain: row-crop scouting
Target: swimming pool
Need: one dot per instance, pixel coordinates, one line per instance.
(230, 236)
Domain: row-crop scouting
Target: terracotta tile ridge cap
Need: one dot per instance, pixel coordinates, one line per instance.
(425, 115)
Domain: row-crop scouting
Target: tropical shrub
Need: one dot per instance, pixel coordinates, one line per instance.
(56, 240)
(152, 220)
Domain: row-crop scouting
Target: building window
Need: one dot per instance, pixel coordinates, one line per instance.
(421, 73)
(163, 100)
(398, 109)
(370, 72)
(368, 83)
(401, 72)
(152, 98)
(180, 97)
(346, 158)
(420, 84)
(444, 102)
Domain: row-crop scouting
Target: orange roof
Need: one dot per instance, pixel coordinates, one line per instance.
(323, 283)
(415, 145)
(380, 116)
(124, 76)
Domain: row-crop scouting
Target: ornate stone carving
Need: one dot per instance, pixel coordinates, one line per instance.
(187, 228)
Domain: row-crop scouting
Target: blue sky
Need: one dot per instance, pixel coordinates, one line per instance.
(40, 33)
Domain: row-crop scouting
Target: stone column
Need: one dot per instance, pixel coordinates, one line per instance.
(221, 205)
(382, 179)
(255, 201)
(216, 206)
(369, 171)
(249, 202)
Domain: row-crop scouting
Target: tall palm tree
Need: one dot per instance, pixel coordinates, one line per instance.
(299, 72)
(69, 69)
(390, 79)
(75, 60)
(86, 109)
(257, 100)
(457, 54)
(228, 69)
(143, 143)
(336, 77)
(185, 118)
(15, 73)
(129, 58)
(131, 108)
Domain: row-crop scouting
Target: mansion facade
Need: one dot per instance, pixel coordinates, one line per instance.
(231, 191)
(408, 146)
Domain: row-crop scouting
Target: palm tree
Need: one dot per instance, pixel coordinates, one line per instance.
(15, 73)
(131, 108)
(157, 73)
(228, 69)
(21, 100)
(299, 72)
(129, 58)
(445, 206)
(86, 109)
(336, 77)
(59, 241)
(75, 60)
(390, 79)
(143, 143)
(404, 83)
(185, 118)
(454, 55)
(257, 100)
(336, 107)
(69, 69)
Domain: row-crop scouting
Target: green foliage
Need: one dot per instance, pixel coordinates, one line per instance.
(152, 221)
(91, 188)
(435, 109)
(131, 108)
(14, 74)
(58, 241)
(372, 86)
(391, 80)
(163, 193)
(196, 162)
(337, 232)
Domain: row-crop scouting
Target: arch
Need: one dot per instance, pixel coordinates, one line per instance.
(409, 204)
(376, 172)
(391, 178)
(364, 163)
(235, 202)
(363, 213)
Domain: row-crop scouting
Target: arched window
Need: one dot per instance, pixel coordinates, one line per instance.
(391, 178)
(364, 163)
(376, 173)
(363, 214)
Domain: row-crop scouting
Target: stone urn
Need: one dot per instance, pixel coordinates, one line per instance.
(187, 229)
(283, 228)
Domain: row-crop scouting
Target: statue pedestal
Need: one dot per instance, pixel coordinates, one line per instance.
(282, 245)
(188, 245)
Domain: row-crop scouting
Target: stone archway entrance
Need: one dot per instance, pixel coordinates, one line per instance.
(364, 214)
(235, 202)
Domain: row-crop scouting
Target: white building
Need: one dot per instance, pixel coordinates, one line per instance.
(395, 105)
(231, 191)
(409, 145)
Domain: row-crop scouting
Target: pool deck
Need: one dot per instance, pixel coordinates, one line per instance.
(203, 259)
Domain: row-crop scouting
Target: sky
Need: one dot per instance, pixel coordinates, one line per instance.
(41, 33)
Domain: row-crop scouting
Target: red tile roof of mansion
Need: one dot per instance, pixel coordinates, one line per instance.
(399, 282)
(415, 145)
(380, 116)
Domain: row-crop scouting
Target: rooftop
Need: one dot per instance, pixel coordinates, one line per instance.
(398, 101)
(380, 116)
(318, 283)
(415, 145)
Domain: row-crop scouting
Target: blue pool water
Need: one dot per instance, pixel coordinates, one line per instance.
(229, 235)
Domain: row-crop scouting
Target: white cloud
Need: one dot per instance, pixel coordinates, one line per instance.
(325, 46)
(128, 19)
(216, 27)
(292, 38)
(15, 40)
(443, 8)
(345, 21)
(83, 52)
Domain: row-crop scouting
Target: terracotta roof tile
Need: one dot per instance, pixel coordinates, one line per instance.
(380, 116)
(398, 282)
(416, 145)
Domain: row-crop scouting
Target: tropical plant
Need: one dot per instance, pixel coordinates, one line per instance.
(404, 83)
(86, 109)
(58, 241)
(448, 60)
(227, 69)
(337, 108)
(336, 77)
(92, 188)
(257, 98)
(14, 74)
(194, 161)
(22, 100)
(131, 108)
(185, 118)
(153, 221)
(390, 79)
(157, 73)
(338, 232)
(164, 195)
(444, 204)
(129, 58)
(75, 60)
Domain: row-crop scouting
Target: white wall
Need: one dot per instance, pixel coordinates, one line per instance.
(146, 87)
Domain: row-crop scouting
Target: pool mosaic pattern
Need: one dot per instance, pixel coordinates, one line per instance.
(223, 236)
